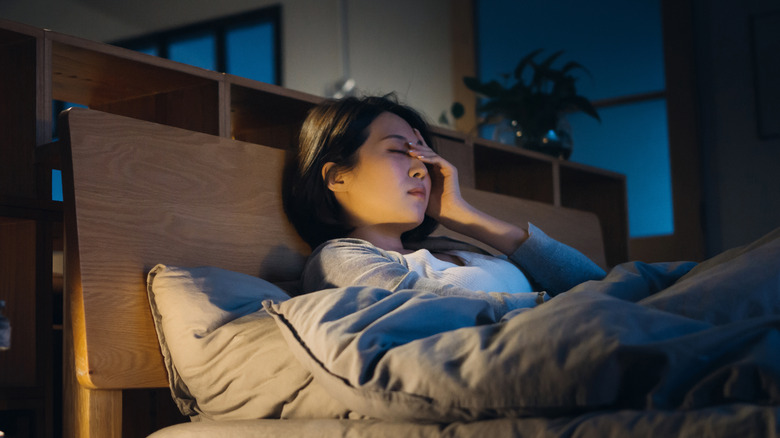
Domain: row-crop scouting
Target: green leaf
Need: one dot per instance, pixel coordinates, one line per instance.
(585, 106)
(491, 89)
(547, 63)
(534, 101)
(571, 65)
(527, 59)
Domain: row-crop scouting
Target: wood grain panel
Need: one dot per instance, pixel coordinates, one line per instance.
(145, 194)
(89, 76)
(459, 152)
(511, 171)
(603, 193)
(194, 108)
(86, 412)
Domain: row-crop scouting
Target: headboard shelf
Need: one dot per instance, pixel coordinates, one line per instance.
(262, 115)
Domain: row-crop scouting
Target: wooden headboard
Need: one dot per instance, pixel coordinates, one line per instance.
(138, 194)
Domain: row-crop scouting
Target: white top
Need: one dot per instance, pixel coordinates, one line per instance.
(480, 272)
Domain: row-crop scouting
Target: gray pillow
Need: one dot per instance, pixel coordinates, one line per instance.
(224, 355)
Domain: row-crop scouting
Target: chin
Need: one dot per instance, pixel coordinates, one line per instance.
(412, 225)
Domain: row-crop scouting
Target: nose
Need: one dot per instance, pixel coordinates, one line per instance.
(417, 169)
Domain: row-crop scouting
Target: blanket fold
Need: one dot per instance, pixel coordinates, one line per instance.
(648, 336)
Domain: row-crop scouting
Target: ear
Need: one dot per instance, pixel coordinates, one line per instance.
(334, 179)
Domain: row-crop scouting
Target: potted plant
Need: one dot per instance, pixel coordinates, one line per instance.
(535, 103)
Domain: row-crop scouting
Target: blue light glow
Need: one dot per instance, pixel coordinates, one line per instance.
(251, 52)
(199, 51)
(56, 185)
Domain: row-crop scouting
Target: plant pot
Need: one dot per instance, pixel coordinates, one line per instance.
(555, 142)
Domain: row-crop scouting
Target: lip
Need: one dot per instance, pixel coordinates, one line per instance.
(417, 191)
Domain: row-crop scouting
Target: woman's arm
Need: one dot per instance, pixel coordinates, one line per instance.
(469, 221)
(551, 265)
(356, 262)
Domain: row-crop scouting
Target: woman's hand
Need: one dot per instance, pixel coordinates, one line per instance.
(448, 206)
(445, 203)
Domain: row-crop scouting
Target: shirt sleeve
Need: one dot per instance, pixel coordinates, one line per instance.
(552, 265)
(354, 262)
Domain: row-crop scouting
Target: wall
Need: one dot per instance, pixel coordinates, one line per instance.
(741, 184)
(402, 46)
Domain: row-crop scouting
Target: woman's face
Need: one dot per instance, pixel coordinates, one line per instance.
(388, 189)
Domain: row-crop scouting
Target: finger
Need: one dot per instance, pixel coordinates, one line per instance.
(420, 149)
(420, 139)
(438, 162)
(419, 152)
(432, 159)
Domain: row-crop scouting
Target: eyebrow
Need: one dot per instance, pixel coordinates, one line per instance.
(400, 137)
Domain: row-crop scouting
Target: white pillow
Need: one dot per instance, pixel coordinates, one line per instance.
(224, 355)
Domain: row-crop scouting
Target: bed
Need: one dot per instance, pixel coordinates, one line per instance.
(181, 273)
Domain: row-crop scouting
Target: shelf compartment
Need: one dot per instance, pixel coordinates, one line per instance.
(18, 135)
(603, 193)
(266, 114)
(133, 84)
(511, 171)
(459, 151)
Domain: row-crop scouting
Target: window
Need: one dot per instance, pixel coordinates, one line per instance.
(246, 45)
(621, 44)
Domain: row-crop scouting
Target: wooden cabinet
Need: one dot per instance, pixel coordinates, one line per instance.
(42, 69)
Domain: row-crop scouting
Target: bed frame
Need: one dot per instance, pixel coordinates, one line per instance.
(137, 194)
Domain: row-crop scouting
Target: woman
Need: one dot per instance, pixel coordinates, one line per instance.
(365, 189)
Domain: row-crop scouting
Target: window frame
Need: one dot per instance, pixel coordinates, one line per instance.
(219, 27)
(677, 19)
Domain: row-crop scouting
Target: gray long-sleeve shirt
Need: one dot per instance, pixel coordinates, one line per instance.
(552, 267)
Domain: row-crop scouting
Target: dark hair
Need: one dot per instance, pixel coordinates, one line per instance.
(334, 131)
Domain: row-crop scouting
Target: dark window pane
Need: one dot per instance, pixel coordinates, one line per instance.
(199, 51)
(56, 185)
(149, 50)
(250, 52)
(619, 42)
(632, 139)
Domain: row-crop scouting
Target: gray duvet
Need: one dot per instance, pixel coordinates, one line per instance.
(697, 347)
